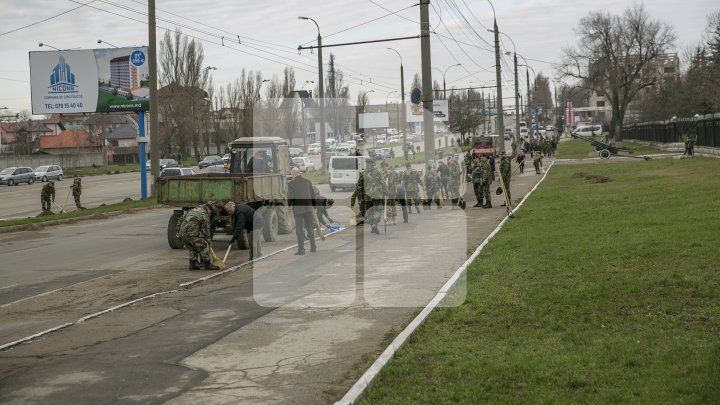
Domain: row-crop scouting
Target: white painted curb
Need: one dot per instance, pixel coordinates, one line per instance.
(366, 379)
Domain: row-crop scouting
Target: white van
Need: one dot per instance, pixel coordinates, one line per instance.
(588, 130)
(345, 170)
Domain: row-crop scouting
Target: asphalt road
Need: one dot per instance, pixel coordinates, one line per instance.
(24, 200)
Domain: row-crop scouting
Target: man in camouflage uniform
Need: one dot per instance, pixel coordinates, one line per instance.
(482, 177)
(195, 234)
(76, 191)
(391, 181)
(506, 172)
(454, 181)
(537, 161)
(412, 181)
(47, 194)
(432, 187)
(370, 189)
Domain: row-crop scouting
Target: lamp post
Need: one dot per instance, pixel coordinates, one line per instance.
(321, 96)
(402, 96)
(41, 44)
(517, 91)
(443, 75)
(302, 104)
(100, 41)
(498, 73)
(527, 102)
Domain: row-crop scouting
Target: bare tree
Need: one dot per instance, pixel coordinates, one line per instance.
(614, 55)
(336, 98)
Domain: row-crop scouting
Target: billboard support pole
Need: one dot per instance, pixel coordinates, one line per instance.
(143, 156)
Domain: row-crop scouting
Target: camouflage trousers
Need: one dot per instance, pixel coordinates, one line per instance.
(46, 204)
(373, 211)
(454, 188)
(482, 192)
(199, 248)
(392, 206)
(413, 198)
(77, 200)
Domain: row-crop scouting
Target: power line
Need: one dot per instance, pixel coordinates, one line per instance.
(46, 19)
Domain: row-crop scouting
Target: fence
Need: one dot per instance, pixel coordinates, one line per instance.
(707, 128)
(66, 161)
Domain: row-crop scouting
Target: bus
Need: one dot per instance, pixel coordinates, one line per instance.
(484, 144)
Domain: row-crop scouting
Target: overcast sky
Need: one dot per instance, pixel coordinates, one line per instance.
(270, 34)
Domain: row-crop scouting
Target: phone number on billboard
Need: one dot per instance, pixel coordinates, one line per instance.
(63, 105)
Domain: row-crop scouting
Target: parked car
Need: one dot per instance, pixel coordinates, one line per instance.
(210, 161)
(343, 147)
(163, 163)
(394, 139)
(226, 158)
(48, 172)
(304, 164)
(588, 130)
(295, 152)
(12, 176)
(314, 148)
(177, 171)
(217, 169)
(383, 153)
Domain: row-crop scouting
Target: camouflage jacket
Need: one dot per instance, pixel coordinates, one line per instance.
(370, 186)
(392, 180)
(505, 168)
(76, 186)
(481, 173)
(196, 223)
(455, 171)
(48, 192)
(411, 180)
(432, 181)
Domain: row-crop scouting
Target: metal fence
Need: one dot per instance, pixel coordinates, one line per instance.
(707, 128)
(66, 161)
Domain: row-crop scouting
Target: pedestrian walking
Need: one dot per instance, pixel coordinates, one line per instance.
(411, 181)
(537, 162)
(245, 218)
(301, 198)
(482, 177)
(47, 196)
(390, 179)
(77, 191)
(443, 172)
(432, 188)
(195, 234)
(454, 180)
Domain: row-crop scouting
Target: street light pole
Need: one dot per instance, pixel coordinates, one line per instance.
(443, 75)
(498, 76)
(321, 96)
(302, 104)
(402, 92)
(100, 41)
(517, 91)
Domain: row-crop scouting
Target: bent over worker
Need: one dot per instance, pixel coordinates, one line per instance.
(245, 217)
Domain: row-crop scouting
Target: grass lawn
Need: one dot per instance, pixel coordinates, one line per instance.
(95, 171)
(579, 149)
(81, 213)
(605, 288)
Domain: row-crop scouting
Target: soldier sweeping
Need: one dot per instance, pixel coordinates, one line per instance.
(77, 191)
(47, 195)
(195, 234)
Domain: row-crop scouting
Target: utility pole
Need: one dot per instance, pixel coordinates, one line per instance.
(321, 98)
(500, 125)
(428, 116)
(528, 124)
(152, 50)
(402, 96)
(517, 102)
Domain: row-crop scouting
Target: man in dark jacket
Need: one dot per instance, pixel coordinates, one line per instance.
(301, 198)
(245, 217)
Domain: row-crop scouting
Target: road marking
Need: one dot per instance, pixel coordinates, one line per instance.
(47, 292)
(10, 286)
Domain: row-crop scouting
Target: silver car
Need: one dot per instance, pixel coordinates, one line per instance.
(12, 176)
(48, 172)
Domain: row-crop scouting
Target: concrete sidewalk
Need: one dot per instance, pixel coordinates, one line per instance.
(292, 329)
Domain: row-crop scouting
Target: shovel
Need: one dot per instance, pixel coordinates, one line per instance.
(61, 208)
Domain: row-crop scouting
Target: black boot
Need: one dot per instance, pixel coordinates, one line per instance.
(194, 265)
(209, 266)
(487, 205)
(479, 204)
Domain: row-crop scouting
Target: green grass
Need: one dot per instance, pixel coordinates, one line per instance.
(595, 293)
(96, 171)
(579, 149)
(82, 213)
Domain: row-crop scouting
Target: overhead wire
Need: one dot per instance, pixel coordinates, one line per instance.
(46, 19)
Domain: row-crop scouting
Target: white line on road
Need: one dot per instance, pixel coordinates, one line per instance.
(10, 286)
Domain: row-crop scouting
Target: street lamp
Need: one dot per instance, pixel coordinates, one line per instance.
(100, 41)
(498, 73)
(209, 68)
(402, 92)
(443, 75)
(321, 96)
(302, 105)
(41, 44)
(527, 102)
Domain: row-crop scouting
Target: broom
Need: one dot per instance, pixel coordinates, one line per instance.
(216, 261)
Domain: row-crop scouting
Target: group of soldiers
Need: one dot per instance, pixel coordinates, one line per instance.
(482, 175)
(690, 140)
(47, 194)
(380, 191)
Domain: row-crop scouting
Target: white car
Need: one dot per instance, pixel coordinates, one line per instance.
(304, 164)
(343, 147)
(313, 148)
(49, 172)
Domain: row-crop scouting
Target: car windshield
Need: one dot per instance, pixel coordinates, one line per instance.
(345, 164)
(482, 141)
(7, 171)
(42, 168)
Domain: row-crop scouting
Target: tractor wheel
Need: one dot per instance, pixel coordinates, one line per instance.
(173, 240)
(286, 220)
(270, 230)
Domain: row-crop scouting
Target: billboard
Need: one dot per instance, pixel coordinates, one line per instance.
(374, 120)
(90, 80)
(414, 112)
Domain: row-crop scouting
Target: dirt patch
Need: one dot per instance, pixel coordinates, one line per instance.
(592, 178)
